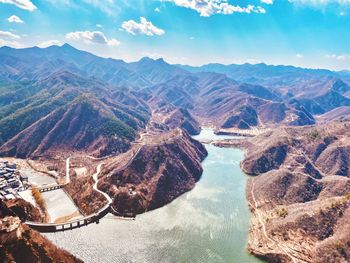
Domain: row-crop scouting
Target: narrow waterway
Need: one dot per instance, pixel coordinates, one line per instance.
(208, 224)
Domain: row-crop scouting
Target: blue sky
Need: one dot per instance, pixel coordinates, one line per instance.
(308, 33)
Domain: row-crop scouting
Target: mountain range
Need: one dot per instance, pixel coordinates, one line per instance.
(61, 102)
(64, 92)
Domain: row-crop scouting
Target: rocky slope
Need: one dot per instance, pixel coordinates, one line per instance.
(85, 124)
(336, 114)
(18, 243)
(36, 114)
(181, 118)
(300, 195)
(155, 174)
(224, 102)
(244, 118)
(22, 209)
(84, 196)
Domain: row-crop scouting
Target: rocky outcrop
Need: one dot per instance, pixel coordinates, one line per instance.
(155, 175)
(265, 155)
(10, 229)
(244, 118)
(18, 243)
(182, 118)
(22, 209)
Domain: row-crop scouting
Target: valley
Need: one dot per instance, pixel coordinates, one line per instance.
(131, 141)
(209, 222)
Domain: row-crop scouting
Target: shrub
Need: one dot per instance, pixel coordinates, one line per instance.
(347, 197)
(282, 212)
(313, 135)
(38, 198)
(113, 127)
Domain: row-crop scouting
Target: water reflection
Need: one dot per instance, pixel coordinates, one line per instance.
(208, 224)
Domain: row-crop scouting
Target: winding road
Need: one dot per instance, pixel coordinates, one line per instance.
(67, 170)
(95, 177)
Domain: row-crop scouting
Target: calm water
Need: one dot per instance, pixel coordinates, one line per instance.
(208, 134)
(208, 224)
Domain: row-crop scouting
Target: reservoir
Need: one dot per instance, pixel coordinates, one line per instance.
(208, 224)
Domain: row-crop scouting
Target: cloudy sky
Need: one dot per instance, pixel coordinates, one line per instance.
(308, 33)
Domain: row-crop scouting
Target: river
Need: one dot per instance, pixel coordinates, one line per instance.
(208, 224)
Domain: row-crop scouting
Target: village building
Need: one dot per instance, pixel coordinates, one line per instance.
(11, 181)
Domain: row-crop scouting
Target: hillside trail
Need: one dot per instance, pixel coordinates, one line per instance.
(286, 249)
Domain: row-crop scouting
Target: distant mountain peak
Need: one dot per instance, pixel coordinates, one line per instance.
(160, 60)
(67, 46)
(151, 60)
(146, 59)
(5, 47)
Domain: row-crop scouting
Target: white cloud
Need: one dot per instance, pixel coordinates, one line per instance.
(268, 2)
(210, 7)
(157, 9)
(94, 37)
(99, 26)
(23, 4)
(300, 56)
(15, 19)
(14, 44)
(49, 43)
(8, 35)
(144, 27)
(341, 57)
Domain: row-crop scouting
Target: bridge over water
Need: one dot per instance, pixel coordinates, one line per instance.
(50, 187)
(56, 227)
(84, 221)
(76, 223)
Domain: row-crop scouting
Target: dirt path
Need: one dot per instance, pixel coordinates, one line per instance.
(67, 170)
(95, 177)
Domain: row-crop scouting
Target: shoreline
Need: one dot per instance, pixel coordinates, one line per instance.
(174, 217)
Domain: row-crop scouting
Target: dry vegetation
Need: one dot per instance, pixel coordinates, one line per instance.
(300, 196)
(40, 201)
